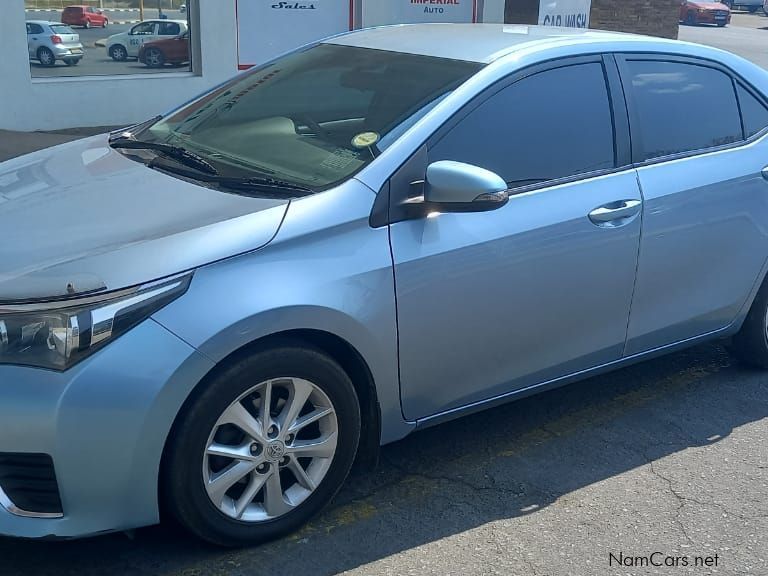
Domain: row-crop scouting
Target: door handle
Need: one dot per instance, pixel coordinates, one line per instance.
(610, 215)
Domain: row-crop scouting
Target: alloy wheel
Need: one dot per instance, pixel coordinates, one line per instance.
(270, 450)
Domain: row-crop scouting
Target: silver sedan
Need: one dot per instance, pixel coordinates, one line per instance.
(217, 311)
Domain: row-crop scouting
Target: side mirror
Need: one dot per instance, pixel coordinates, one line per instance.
(458, 187)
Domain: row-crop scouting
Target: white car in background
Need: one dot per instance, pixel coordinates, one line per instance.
(126, 45)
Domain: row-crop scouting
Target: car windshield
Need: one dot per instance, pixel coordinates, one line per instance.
(313, 118)
(61, 29)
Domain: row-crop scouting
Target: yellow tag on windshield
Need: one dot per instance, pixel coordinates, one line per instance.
(365, 140)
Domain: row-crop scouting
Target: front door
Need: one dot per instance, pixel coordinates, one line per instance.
(493, 302)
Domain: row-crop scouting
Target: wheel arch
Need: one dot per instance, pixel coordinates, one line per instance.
(337, 348)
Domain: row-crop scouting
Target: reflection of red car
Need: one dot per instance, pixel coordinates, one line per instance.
(167, 51)
(694, 12)
(85, 16)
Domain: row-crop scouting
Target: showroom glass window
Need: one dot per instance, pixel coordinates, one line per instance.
(109, 39)
(683, 107)
(535, 131)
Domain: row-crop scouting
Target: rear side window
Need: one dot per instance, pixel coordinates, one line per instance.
(169, 29)
(683, 107)
(551, 125)
(753, 112)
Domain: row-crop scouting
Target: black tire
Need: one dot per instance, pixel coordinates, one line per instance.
(105, 23)
(750, 345)
(154, 58)
(753, 9)
(183, 489)
(46, 57)
(721, 24)
(87, 24)
(118, 53)
(690, 19)
(71, 61)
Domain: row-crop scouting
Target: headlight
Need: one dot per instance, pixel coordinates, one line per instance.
(59, 336)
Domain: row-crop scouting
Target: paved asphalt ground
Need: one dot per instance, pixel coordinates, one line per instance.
(669, 456)
(96, 61)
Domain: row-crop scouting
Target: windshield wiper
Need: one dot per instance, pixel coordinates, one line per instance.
(261, 184)
(181, 155)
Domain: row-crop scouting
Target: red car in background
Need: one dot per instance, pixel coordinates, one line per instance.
(85, 16)
(694, 12)
(167, 51)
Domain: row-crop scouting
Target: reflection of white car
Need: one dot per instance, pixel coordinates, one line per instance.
(126, 45)
(183, 8)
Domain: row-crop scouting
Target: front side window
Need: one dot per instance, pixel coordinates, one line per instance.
(312, 118)
(551, 125)
(683, 107)
(143, 29)
(754, 114)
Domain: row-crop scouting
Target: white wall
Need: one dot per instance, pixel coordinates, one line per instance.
(493, 11)
(28, 103)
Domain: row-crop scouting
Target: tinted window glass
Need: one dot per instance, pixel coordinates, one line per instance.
(753, 112)
(169, 29)
(551, 125)
(61, 29)
(34, 29)
(683, 107)
(144, 28)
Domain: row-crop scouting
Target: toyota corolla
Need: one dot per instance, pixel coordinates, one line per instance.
(217, 311)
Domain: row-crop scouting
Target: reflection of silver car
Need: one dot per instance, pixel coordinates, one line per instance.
(51, 41)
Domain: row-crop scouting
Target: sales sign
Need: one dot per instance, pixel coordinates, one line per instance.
(568, 13)
(384, 12)
(268, 28)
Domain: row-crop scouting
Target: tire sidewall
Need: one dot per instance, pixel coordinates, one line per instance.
(184, 474)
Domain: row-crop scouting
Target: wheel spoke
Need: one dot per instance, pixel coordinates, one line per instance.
(266, 405)
(221, 482)
(324, 447)
(308, 419)
(254, 485)
(301, 475)
(300, 392)
(274, 501)
(234, 452)
(240, 417)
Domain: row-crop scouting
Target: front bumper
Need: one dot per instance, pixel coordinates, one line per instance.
(104, 423)
(712, 17)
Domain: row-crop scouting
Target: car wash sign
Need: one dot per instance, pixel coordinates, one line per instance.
(568, 13)
(383, 12)
(267, 28)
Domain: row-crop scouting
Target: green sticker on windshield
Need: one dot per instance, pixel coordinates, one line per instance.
(365, 140)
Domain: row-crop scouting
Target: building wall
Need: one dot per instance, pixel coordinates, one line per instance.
(28, 103)
(652, 17)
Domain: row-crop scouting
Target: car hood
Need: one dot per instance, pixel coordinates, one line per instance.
(82, 218)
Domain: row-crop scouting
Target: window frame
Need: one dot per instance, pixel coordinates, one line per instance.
(618, 111)
(393, 203)
(639, 156)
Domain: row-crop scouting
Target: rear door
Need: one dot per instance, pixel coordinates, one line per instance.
(705, 217)
(494, 302)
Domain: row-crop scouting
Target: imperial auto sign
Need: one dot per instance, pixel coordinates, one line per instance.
(378, 12)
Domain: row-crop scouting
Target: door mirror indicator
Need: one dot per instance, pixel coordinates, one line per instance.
(459, 187)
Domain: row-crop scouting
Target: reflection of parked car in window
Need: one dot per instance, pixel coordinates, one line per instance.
(51, 41)
(126, 45)
(183, 8)
(168, 51)
(694, 12)
(85, 16)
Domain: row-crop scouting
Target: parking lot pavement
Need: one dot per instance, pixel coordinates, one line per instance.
(668, 456)
(747, 36)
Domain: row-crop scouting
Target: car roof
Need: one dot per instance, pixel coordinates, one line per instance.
(477, 42)
(162, 20)
(46, 23)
